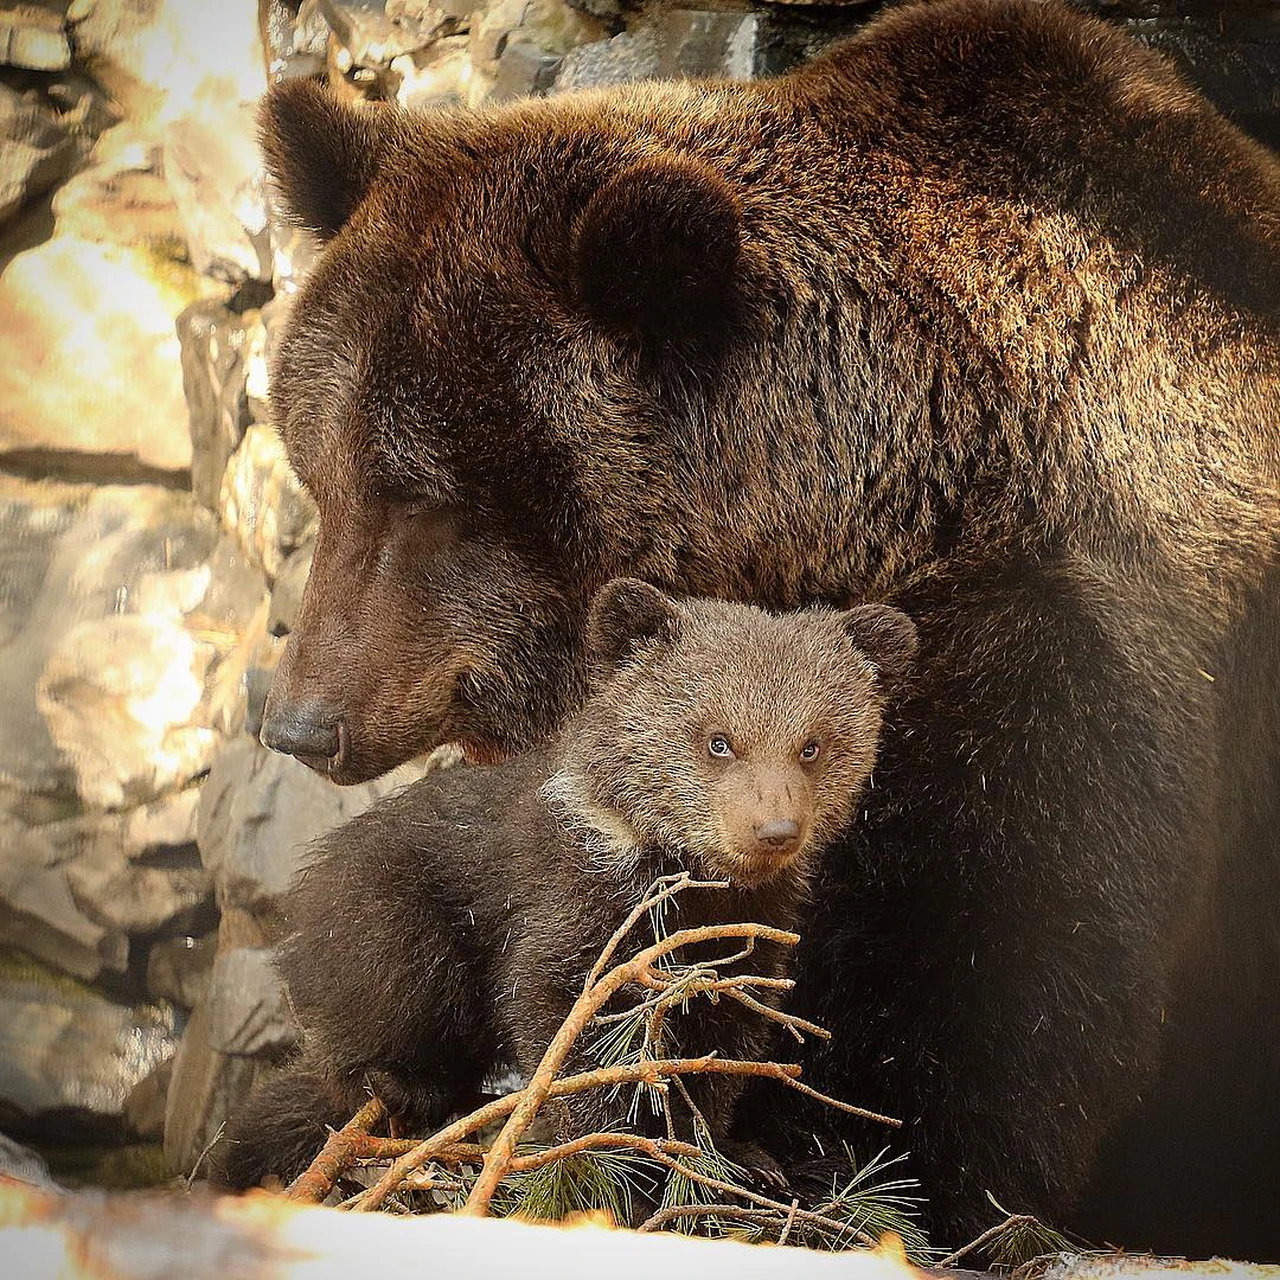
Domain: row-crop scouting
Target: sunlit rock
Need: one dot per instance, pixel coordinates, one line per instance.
(111, 628)
(263, 502)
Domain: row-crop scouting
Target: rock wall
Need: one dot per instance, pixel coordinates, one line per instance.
(153, 541)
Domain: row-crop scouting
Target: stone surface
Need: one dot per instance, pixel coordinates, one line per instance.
(434, 79)
(109, 629)
(120, 196)
(215, 346)
(235, 702)
(548, 25)
(33, 37)
(134, 898)
(626, 57)
(678, 42)
(178, 969)
(293, 254)
(145, 1106)
(69, 1057)
(296, 37)
(36, 148)
(523, 68)
(89, 361)
(262, 502)
(258, 812)
(163, 59)
(246, 1006)
(120, 698)
(24, 1165)
(286, 595)
(40, 916)
(213, 167)
(374, 33)
(72, 892)
(697, 42)
(205, 1085)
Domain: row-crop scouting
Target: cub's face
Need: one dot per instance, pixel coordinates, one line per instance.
(466, 345)
(742, 738)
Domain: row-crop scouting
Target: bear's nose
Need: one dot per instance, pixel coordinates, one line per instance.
(310, 730)
(778, 831)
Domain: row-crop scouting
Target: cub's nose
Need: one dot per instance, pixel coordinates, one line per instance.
(309, 729)
(778, 832)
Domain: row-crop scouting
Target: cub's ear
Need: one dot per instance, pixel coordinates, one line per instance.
(625, 613)
(322, 154)
(656, 249)
(887, 636)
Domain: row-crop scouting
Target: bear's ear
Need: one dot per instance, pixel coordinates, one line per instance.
(887, 636)
(322, 154)
(625, 613)
(656, 249)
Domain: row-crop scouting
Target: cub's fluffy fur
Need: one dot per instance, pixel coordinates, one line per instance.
(450, 928)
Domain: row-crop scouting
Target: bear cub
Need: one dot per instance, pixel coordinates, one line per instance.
(448, 930)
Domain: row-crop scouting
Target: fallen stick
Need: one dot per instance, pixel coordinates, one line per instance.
(318, 1180)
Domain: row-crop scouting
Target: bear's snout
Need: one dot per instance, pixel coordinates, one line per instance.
(778, 832)
(310, 730)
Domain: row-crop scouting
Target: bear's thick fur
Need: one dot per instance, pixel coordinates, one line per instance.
(449, 930)
(977, 315)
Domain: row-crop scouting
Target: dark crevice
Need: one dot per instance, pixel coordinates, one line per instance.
(75, 465)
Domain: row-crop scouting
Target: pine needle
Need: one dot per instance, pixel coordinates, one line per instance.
(1025, 1239)
(873, 1204)
(681, 1190)
(591, 1180)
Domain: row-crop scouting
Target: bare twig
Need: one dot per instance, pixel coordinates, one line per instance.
(990, 1234)
(364, 1147)
(654, 1148)
(316, 1183)
(786, 1226)
(676, 1211)
(594, 995)
(777, 1206)
(666, 887)
(651, 1072)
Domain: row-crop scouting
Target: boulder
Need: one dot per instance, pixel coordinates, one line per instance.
(678, 42)
(204, 1087)
(247, 1007)
(24, 1165)
(37, 150)
(34, 37)
(120, 698)
(178, 968)
(214, 169)
(70, 1057)
(89, 361)
(73, 892)
(112, 623)
(215, 344)
(39, 914)
(258, 812)
(262, 501)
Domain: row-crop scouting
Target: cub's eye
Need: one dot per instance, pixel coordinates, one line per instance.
(809, 752)
(718, 746)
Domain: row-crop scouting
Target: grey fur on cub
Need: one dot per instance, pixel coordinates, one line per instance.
(449, 929)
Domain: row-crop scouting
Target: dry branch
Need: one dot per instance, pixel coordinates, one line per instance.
(450, 1146)
(316, 1183)
(594, 996)
(780, 1210)
(651, 1072)
(990, 1234)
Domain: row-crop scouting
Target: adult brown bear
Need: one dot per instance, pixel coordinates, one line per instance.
(976, 314)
